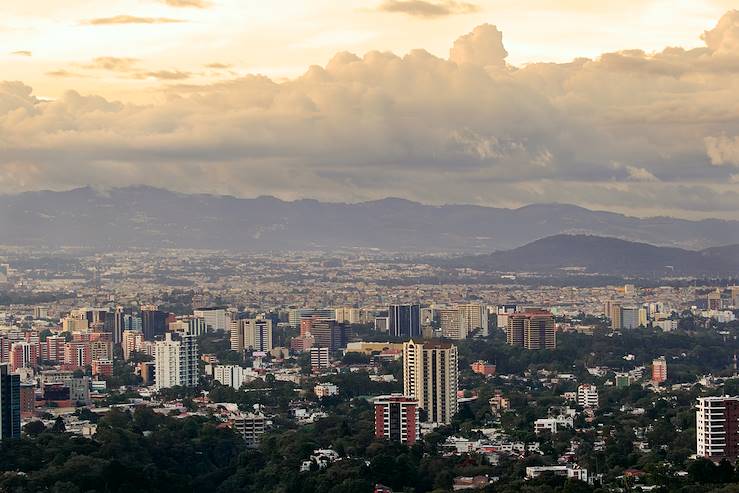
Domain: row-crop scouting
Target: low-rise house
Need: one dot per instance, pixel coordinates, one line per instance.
(570, 471)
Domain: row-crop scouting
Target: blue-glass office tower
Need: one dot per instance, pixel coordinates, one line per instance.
(10, 404)
(404, 320)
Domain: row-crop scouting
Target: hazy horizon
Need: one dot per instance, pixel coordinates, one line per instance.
(104, 190)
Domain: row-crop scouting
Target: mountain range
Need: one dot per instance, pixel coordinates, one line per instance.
(562, 254)
(148, 217)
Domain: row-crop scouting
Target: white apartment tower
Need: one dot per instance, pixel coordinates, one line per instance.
(229, 375)
(176, 362)
(587, 396)
(717, 427)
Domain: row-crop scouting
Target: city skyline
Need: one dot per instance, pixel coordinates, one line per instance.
(641, 125)
(376, 246)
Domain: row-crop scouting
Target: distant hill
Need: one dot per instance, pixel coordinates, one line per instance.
(152, 218)
(612, 256)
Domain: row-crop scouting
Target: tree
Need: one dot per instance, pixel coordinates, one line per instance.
(34, 428)
(702, 471)
(59, 426)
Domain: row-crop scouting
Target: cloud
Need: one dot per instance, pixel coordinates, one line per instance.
(427, 9)
(129, 68)
(640, 174)
(130, 19)
(198, 4)
(468, 128)
(724, 38)
(115, 64)
(63, 73)
(22, 53)
(722, 150)
(163, 75)
(483, 46)
(218, 66)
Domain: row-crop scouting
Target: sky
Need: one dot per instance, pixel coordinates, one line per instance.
(626, 105)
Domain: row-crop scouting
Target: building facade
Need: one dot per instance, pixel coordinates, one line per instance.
(659, 370)
(229, 375)
(10, 404)
(587, 396)
(404, 320)
(319, 358)
(176, 362)
(532, 329)
(430, 375)
(397, 418)
(717, 428)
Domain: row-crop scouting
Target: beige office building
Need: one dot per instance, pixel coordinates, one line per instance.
(452, 324)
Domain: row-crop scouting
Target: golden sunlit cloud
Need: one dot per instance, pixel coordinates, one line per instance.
(63, 73)
(465, 121)
(163, 75)
(22, 53)
(198, 4)
(424, 8)
(112, 63)
(130, 19)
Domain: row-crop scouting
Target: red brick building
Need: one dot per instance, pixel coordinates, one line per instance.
(396, 418)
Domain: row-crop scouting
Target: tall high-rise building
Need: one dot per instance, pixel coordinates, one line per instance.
(475, 317)
(251, 334)
(629, 317)
(347, 315)
(77, 353)
(258, 334)
(659, 370)
(296, 315)
(453, 324)
(735, 296)
(612, 310)
(236, 335)
(230, 375)
(643, 317)
(532, 329)
(132, 341)
(153, 322)
(215, 318)
(52, 349)
(5, 345)
(717, 428)
(430, 375)
(404, 320)
(714, 300)
(502, 312)
(319, 358)
(188, 325)
(23, 355)
(329, 334)
(10, 404)
(119, 325)
(176, 362)
(396, 418)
